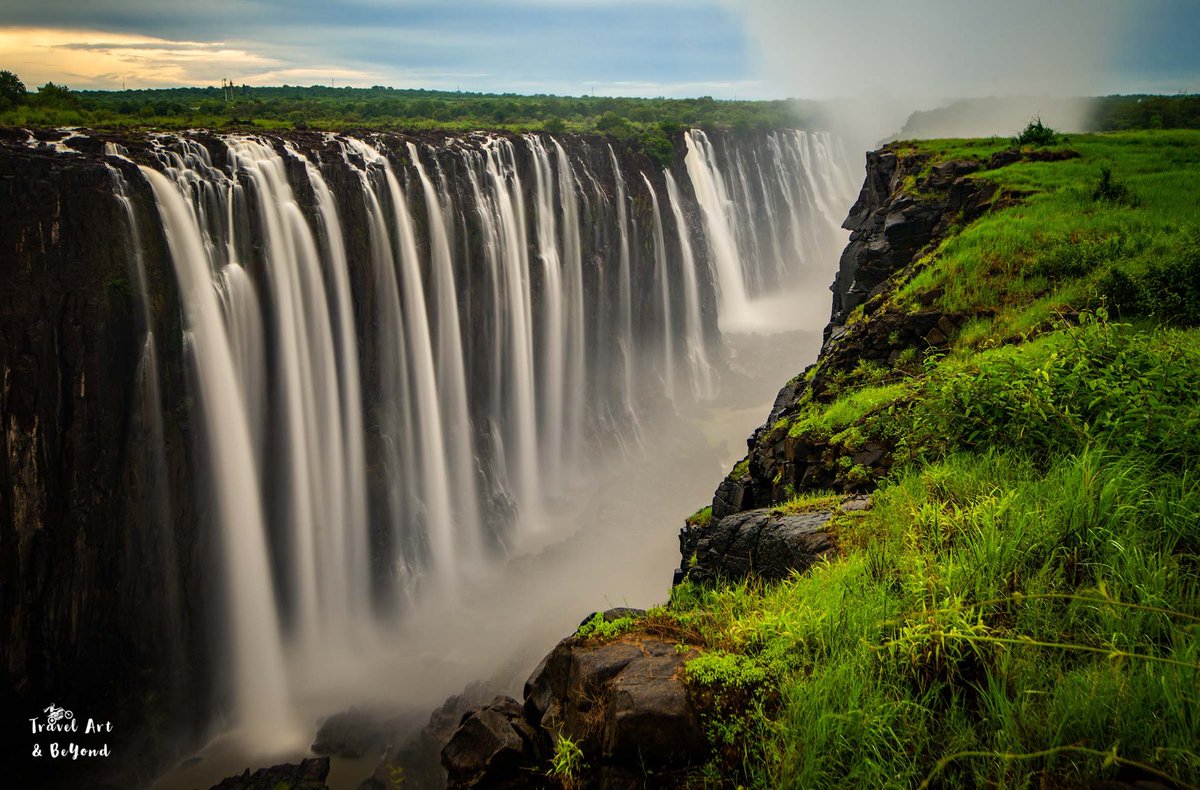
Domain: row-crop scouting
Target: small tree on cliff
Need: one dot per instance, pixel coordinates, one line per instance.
(12, 90)
(1036, 133)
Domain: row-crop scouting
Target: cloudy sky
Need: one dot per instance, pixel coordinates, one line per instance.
(723, 48)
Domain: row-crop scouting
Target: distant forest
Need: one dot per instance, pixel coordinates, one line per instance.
(649, 123)
(966, 117)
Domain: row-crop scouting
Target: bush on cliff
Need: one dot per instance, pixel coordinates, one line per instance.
(1036, 133)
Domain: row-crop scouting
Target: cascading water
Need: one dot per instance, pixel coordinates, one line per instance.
(260, 692)
(662, 282)
(753, 261)
(390, 409)
(700, 371)
(450, 372)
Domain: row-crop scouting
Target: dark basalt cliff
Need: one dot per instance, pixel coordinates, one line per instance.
(904, 210)
(106, 585)
(81, 568)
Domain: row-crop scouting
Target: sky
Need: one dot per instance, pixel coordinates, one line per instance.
(721, 48)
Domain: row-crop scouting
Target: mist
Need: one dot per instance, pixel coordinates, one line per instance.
(881, 60)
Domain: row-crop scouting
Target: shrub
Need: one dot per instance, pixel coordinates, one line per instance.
(1167, 289)
(1036, 133)
(1109, 190)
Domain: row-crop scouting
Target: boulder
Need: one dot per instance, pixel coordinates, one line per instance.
(417, 756)
(624, 703)
(494, 746)
(649, 719)
(763, 543)
(352, 734)
(305, 775)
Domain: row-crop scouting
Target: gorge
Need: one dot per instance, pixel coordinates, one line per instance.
(273, 404)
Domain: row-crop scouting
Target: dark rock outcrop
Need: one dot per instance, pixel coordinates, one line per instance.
(352, 734)
(305, 775)
(417, 756)
(494, 746)
(761, 543)
(905, 208)
(623, 703)
(890, 224)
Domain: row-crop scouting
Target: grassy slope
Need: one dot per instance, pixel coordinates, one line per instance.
(1021, 607)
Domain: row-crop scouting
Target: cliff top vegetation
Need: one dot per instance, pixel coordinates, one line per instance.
(1021, 604)
(650, 123)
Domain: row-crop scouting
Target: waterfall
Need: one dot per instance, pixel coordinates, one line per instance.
(451, 375)
(350, 540)
(553, 381)
(259, 690)
(625, 296)
(576, 342)
(408, 354)
(733, 309)
(438, 523)
(514, 291)
(662, 282)
(794, 213)
(699, 369)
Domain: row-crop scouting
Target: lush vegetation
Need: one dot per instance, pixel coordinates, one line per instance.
(1021, 605)
(1121, 113)
(650, 123)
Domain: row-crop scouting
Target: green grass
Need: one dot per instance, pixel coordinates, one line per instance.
(1052, 251)
(984, 605)
(1021, 605)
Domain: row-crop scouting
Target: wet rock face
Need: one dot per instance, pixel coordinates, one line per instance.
(353, 733)
(82, 570)
(902, 211)
(888, 227)
(624, 704)
(760, 543)
(494, 746)
(414, 752)
(305, 775)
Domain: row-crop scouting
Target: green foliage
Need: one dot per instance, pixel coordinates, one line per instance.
(12, 90)
(727, 670)
(1122, 113)
(51, 96)
(986, 605)
(1113, 191)
(599, 628)
(1021, 605)
(1036, 133)
(810, 501)
(1052, 252)
(650, 125)
(1098, 382)
(1167, 289)
(567, 763)
(657, 145)
(701, 518)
